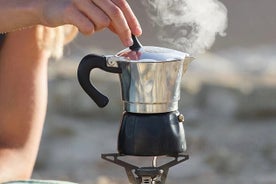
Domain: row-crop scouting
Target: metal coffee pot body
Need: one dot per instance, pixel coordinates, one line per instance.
(150, 78)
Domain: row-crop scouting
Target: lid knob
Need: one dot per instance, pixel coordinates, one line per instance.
(136, 44)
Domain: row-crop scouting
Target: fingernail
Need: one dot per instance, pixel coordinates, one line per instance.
(139, 30)
(128, 42)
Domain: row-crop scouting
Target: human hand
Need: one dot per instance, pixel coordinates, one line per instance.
(90, 16)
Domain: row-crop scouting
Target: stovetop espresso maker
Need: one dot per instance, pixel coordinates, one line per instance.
(151, 124)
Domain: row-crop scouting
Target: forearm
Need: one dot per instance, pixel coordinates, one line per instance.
(17, 14)
(23, 97)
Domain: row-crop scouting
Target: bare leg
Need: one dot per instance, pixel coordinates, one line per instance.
(23, 101)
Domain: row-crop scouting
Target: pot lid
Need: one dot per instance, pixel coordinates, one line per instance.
(140, 53)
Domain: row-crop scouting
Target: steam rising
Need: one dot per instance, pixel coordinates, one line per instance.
(188, 25)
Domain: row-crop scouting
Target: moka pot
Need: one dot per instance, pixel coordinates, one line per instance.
(150, 77)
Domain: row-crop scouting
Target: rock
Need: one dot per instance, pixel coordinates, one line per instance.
(67, 97)
(259, 103)
(218, 100)
(224, 161)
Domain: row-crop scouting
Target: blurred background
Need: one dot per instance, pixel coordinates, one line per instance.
(228, 98)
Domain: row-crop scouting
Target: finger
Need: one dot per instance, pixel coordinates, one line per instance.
(112, 28)
(79, 20)
(130, 17)
(95, 14)
(118, 20)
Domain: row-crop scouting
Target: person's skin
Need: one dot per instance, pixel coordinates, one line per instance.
(88, 16)
(23, 67)
(23, 97)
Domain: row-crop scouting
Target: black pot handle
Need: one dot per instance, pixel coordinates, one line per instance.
(87, 64)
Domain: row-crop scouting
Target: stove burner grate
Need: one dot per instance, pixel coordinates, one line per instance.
(145, 175)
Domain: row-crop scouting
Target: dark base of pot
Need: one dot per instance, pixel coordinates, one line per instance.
(151, 134)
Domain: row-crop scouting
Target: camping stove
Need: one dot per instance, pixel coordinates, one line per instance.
(146, 175)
